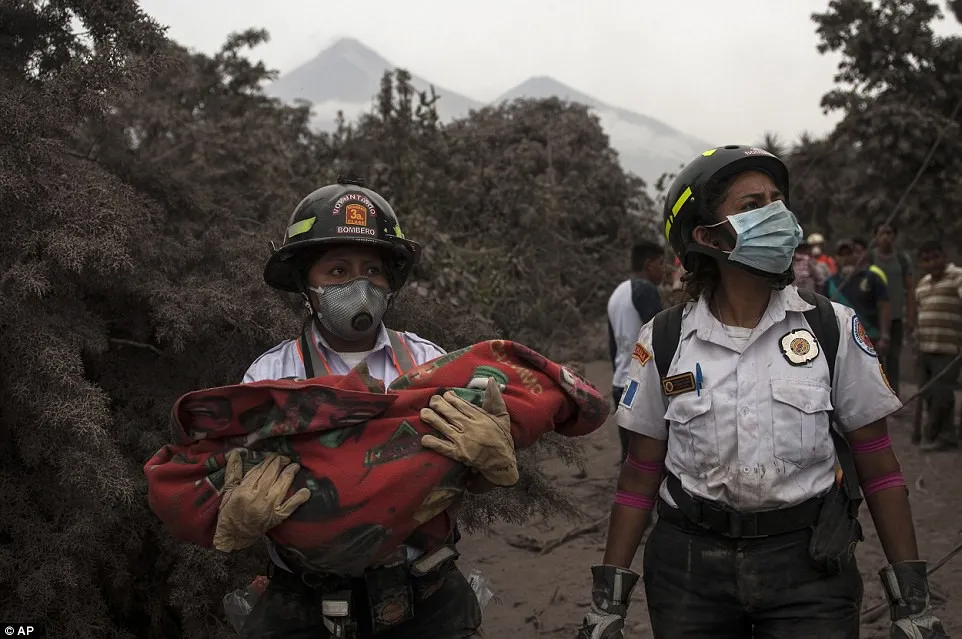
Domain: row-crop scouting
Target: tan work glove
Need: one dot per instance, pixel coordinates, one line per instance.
(479, 438)
(253, 504)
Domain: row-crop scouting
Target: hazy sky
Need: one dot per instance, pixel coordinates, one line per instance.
(725, 71)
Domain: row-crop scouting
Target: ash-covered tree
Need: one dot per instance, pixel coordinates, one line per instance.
(774, 144)
(139, 186)
(900, 90)
(525, 212)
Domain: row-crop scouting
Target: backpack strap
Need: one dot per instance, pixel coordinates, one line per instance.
(873, 268)
(824, 325)
(403, 359)
(314, 363)
(665, 335)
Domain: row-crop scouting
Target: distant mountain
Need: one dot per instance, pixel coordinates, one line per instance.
(347, 76)
(647, 146)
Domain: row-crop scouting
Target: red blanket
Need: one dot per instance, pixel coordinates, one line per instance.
(373, 484)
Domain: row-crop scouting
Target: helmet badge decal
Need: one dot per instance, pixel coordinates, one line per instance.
(355, 215)
(358, 211)
(347, 199)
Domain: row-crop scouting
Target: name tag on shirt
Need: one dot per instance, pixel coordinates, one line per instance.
(678, 384)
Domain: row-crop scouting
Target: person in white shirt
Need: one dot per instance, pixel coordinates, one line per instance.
(632, 305)
(345, 254)
(731, 405)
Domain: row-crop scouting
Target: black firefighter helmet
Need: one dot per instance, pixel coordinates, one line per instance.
(342, 213)
(686, 204)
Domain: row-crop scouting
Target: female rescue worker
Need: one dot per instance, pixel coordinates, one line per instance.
(732, 438)
(344, 252)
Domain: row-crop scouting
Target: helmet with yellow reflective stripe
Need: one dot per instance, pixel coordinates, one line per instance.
(337, 214)
(689, 197)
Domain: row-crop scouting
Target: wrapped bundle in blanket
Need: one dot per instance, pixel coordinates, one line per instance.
(373, 485)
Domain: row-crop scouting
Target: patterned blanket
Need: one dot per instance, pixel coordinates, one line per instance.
(374, 486)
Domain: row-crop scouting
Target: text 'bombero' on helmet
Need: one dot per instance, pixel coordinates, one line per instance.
(687, 202)
(339, 214)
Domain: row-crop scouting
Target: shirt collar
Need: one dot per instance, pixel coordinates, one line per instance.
(708, 327)
(382, 342)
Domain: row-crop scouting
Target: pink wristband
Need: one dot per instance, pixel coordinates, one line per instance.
(890, 480)
(634, 500)
(655, 468)
(861, 448)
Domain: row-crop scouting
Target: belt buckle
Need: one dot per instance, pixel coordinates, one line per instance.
(743, 525)
(312, 580)
(337, 615)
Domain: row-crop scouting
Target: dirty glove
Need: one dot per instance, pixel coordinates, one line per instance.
(907, 589)
(479, 438)
(610, 594)
(253, 504)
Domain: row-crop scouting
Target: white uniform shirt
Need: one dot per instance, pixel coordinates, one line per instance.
(756, 437)
(284, 361)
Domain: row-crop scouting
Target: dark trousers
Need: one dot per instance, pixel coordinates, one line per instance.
(700, 585)
(892, 362)
(616, 394)
(445, 607)
(940, 398)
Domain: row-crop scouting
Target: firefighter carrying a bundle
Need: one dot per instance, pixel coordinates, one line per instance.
(345, 254)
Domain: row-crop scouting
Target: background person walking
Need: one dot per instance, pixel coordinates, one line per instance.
(939, 297)
(632, 304)
(897, 266)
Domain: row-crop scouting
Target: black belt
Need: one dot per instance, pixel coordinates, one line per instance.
(438, 561)
(724, 521)
(295, 579)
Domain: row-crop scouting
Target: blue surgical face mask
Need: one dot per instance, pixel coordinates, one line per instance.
(766, 238)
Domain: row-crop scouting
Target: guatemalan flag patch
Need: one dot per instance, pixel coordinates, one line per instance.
(628, 397)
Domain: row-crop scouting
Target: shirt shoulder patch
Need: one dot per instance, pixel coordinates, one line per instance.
(861, 338)
(885, 378)
(641, 354)
(631, 391)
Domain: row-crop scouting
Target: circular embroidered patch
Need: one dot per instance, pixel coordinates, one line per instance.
(799, 347)
(861, 338)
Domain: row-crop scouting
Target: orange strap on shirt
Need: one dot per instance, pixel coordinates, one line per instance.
(315, 364)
